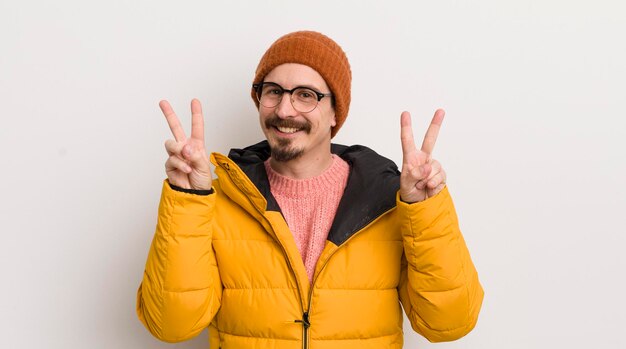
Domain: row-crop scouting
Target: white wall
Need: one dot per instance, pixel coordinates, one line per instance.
(532, 142)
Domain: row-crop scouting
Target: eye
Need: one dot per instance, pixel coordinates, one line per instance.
(271, 90)
(306, 94)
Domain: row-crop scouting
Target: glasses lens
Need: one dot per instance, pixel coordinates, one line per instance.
(269, 95)
(304, 100)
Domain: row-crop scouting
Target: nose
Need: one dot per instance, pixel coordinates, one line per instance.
(285, 109)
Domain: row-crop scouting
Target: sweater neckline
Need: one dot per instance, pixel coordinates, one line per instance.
(334, 176)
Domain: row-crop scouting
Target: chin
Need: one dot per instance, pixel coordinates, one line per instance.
(282, 151)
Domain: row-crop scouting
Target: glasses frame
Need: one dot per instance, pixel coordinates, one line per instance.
(258, 87)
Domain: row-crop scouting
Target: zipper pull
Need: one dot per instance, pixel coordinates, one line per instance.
(305, 320)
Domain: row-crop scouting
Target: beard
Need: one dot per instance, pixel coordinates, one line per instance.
(282, 149)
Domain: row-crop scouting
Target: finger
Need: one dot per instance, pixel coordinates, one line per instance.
(176, 163)
(425, 171)
(197, 120)
(436, 180)
(420, 176)
(174, 148)
(436, 190)
(406, 134)
(196, 157)
(433, 131)
(172, 121)
(435, 170)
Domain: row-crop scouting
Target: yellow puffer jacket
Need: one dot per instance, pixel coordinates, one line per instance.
(228, 261)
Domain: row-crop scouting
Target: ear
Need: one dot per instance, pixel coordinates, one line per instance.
(333, 121)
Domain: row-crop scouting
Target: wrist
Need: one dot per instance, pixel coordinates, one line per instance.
(192, 191)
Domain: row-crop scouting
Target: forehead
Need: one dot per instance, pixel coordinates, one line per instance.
(290, 75)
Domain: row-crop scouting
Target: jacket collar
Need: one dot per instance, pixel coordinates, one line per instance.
(370, 192)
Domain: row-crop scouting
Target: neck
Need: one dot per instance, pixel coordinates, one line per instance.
(306, 166)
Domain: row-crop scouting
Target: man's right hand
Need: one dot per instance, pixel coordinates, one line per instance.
(188, 164)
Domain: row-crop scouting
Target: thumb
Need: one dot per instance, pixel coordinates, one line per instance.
(196, 157)
(187, 152)
(425, 169)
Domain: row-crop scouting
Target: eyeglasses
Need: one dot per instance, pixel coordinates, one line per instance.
(303, 99)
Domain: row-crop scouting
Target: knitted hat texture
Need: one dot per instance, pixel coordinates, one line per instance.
(319, 52)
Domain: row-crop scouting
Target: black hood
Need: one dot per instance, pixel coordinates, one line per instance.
(371, 189)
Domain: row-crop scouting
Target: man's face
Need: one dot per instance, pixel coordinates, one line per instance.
(291, 133)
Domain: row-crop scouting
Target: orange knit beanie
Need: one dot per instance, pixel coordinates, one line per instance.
(319, 52)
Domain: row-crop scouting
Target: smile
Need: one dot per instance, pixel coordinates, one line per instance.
(287, 129)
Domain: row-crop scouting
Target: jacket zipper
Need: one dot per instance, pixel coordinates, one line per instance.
(305, 314)
(306, 324)
(305, 329)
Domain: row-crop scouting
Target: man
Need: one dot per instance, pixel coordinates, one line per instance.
(301, 243)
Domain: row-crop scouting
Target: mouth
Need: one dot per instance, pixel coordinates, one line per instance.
(287, 130)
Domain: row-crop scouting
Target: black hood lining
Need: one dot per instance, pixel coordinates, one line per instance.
(370, 192)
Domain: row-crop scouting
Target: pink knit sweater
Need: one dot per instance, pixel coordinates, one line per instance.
(309, 206)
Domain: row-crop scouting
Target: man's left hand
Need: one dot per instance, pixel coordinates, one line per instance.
(422, 176)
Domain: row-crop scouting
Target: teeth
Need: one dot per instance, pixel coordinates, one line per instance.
(287, 129)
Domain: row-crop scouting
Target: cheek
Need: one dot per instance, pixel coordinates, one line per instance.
(328, 117)
(264, 129)
(332, 119)
(263, 115)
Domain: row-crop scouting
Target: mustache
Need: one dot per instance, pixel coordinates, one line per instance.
(275, 121)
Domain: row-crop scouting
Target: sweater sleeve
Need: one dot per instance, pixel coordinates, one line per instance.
(181, 288)
(439, 287)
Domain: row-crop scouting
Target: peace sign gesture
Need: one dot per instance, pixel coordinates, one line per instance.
(188, 163)
(421, 177)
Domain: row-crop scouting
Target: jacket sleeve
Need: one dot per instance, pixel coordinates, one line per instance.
(181, 288)
(439, 287)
